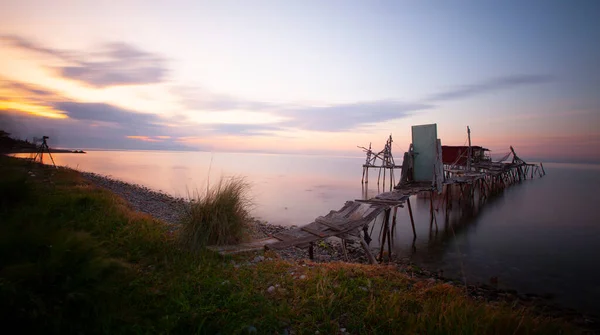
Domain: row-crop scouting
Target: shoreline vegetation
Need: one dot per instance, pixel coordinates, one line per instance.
(83, 253)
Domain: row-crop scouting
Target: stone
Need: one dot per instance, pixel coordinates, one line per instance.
(271, 289)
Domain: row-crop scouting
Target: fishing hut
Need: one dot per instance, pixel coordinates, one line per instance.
(464, 174)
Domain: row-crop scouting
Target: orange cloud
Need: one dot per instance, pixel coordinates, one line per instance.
(33, 109)
(29, 99)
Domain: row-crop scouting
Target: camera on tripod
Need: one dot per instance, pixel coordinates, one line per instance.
(43, 148)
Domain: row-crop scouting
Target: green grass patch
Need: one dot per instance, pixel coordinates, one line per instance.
(76, 259)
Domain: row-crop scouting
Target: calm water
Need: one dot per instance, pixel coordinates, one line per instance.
(541, 236)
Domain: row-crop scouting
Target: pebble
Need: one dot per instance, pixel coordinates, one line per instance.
(271, 289)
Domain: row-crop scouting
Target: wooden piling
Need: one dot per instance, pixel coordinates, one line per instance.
(412, 220)
(386, 227)
(542, 166)
(345, 250)
(394, 220)
(362, 180)
(389, 245)
(370, 256)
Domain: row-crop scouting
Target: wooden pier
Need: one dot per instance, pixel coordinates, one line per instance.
(462, 183)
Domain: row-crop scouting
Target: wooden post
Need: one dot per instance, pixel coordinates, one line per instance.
(470, 150)
(446, 196)
(386, 228)
(362, 180)
(412, 220)
(344, 249)
(367, 251)
(542, 166)
(433, 218)
(383, 239)
(311, 251)
(394, 220)
(389, 245)
(532, 170)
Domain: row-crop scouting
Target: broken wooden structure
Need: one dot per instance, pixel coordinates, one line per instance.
(386, 163)
(423, 170)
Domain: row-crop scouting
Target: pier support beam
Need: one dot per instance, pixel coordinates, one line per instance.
(368, 251)
(412, 220)
(386, 235)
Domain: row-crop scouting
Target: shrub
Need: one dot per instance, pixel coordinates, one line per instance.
(219, 217)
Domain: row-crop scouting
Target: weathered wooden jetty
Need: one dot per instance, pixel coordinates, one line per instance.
(464, 175)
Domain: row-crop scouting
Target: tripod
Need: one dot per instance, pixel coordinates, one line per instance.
(40, 152)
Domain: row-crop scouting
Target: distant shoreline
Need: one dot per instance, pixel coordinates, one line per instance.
(52, 151)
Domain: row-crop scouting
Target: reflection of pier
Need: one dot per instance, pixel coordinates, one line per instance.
(461, 176)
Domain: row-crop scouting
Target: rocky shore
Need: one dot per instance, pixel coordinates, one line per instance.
(170, 209)
(159, 205)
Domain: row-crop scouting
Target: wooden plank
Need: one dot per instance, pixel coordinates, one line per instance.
(400, 197)
(302, 240)
(349, 226)
(397, 203)
(328, 223)
(244, 247)
(313, 231)
(284, 236)
(287, 244)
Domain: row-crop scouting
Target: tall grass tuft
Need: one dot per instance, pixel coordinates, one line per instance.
(219, 217)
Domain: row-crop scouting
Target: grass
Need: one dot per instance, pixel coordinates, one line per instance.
(218, 217)
(76, 259)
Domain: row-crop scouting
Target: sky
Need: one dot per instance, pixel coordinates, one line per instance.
(307, 77)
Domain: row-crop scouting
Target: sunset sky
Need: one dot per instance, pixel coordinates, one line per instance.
(303, 76)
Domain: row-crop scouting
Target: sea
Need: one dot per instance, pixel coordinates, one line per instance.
(541, 236)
